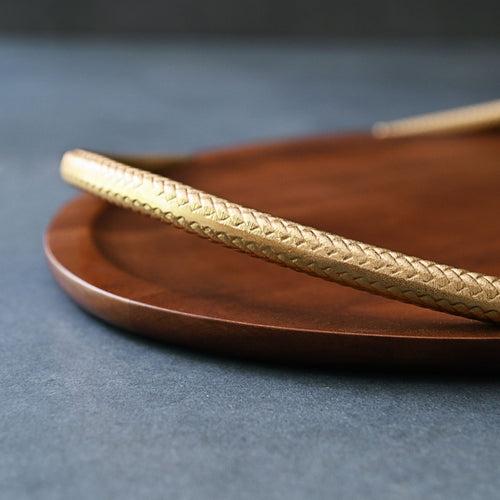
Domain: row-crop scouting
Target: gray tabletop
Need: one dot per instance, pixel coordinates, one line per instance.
(87, 411)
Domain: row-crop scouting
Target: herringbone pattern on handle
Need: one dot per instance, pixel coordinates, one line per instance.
(328, 256)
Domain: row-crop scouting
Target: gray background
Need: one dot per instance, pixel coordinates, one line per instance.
(87, 411)
(351, 18)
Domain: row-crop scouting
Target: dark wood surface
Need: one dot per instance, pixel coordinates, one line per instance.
(436, 198)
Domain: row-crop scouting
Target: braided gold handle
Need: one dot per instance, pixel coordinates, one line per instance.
(328, 256)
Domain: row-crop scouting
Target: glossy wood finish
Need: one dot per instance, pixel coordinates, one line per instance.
(421, 196)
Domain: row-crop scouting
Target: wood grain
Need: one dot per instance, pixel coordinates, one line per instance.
(423, 196)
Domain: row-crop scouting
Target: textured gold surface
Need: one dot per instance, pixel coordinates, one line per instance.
(328, 256)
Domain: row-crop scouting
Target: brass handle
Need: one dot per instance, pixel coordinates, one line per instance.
(464, 119)
(328, 256)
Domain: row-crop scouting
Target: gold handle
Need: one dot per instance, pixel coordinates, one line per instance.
(328, 256)
(464, 119)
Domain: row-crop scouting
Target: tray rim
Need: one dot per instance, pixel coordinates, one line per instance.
(63, 273)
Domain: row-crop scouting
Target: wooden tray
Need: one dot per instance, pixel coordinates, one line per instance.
(427, 197)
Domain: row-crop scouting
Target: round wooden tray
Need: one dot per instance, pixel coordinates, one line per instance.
(427, 197)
